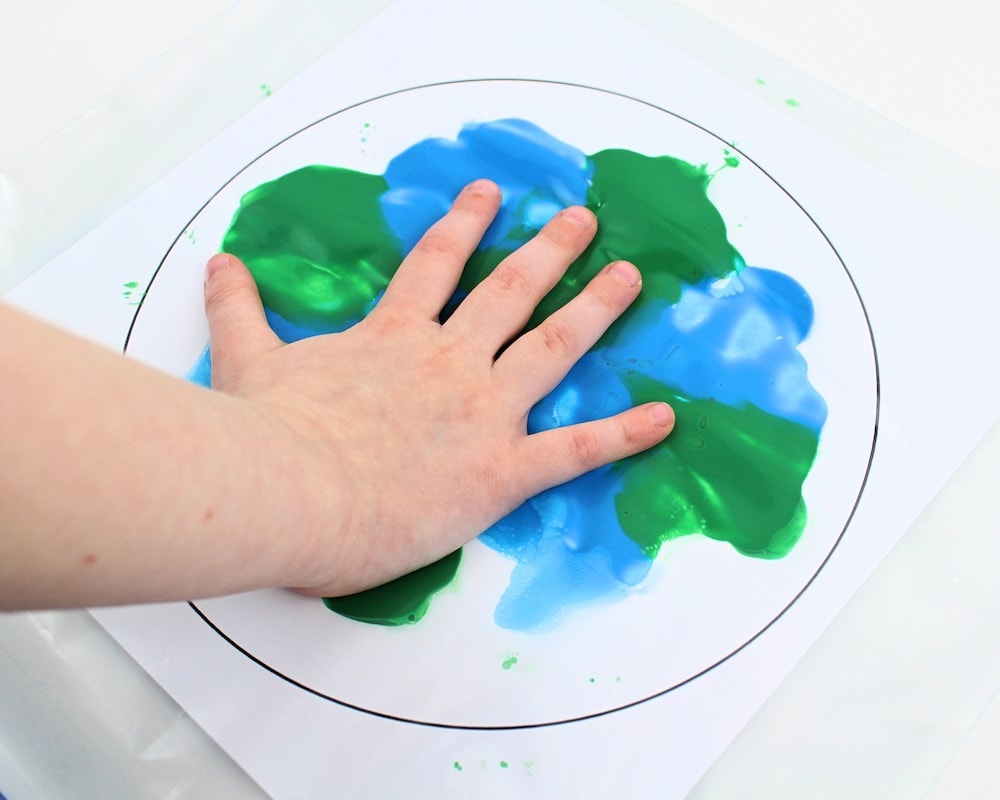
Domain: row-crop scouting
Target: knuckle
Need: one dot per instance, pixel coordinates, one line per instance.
(438, 243)
(512, 278)
(632, 435)
(585, 447)
(558, 338)
(222, 294)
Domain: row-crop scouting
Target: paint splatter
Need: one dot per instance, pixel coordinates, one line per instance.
(791, 102)
(713, 336)
(266, 89)
(457, 766)
(131, 292)
(509, 662)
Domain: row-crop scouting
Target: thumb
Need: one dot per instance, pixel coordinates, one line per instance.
(237, 328)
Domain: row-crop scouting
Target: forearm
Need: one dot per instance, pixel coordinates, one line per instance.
(123, 484)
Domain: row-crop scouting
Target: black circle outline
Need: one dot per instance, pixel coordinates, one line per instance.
(634, 703)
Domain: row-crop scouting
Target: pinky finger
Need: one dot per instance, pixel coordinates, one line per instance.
(561, 454)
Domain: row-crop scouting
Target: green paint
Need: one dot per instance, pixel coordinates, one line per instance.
(504, 765)
(792, 102)
(457, 766)
(402, 601)
(733, 474)
(266, 89)
(131, 293)
(509, 662)
(654, 211)
(316, 244)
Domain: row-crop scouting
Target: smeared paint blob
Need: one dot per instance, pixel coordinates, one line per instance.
(509, 662)
(402, 601)
(716, 338)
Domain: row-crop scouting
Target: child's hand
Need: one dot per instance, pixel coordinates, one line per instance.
(419, 426)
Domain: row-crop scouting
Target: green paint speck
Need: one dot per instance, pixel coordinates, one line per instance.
(266, 89)
(457, 766)
(131, 294)
(509, 662)
(792, 102)
(761, 81)
(504, 765)
(729, 159)
(592, 680)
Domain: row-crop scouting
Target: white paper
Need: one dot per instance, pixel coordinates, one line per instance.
(625, 697)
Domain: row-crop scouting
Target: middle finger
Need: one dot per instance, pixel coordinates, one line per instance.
(500, 306)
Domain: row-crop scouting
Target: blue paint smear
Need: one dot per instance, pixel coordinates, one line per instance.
(539, 176)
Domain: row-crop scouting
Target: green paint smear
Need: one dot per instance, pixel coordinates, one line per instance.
(316, 243)
(509, 662)
(652, 211)
(731, 473)
(402, 601)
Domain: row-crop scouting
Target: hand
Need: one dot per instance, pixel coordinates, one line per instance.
(418, 426)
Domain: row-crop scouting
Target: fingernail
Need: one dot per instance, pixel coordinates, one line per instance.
(626, 273)
(484, 186)
(217, 262)
(580, 215)
(661, 414)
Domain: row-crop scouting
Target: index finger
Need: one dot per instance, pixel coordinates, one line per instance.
(429, 274)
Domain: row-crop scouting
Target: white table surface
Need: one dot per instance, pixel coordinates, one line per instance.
(894, 700)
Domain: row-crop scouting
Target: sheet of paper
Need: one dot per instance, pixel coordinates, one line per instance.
(637, 690)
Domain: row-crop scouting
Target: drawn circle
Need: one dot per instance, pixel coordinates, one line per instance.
(702, 603)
